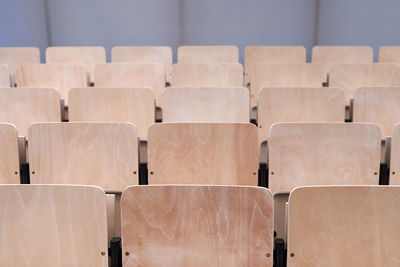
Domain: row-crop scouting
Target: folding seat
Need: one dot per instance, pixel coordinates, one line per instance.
(395, 156)
(329, 55)
(53, 226)
(389, 54)
(344, 226)
(14, 56)
(298, 105)
(203, 153)
(208, 54)
(9, 159)
(197, 226)
(4, 76)
(62, 77)
(144, 54)
(207, 104)
(89, 56)
(134, 105)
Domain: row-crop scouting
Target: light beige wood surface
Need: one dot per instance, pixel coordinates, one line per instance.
(53, 225)
(4, 76)
(285, 75)
(395, 156)
(298, 105)
(380, 105)
(14, 56)
(132, 75)
(207, 75)
(62, 77)
(102, 154)
(208, 54)
(344, 226)
(144, 54)
(89, 56)
(323, 154)
(389, 54)
(24, 106)
(207, 104)
(197, 226)
(349, 77)
(9, 159)
(134, 105)
(203, 153)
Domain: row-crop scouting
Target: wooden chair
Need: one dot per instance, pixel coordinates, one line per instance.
(14, 56)
(4, 76)
(344, 226)
(208, 54)
(329, 55)
(298, 105)
(395, 156)
(9, 158)
(389, 54)
(195, 104)
(53, 226)
(197, 226)
(131, 75)
(203, 153)
(323, 154)
(89, 56)
(62, 77)
(101, 154)
(25, 106)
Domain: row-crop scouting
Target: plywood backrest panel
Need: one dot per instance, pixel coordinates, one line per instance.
(62, 77)
(25, 106)
(197, 226)
(298, 105)
(14, 56)
(207, 104)
(203, 153)
(102, 154)
(349, 77)
(389, 54)
(208, 54)
(53, 226)
(395, 156)
(9, 157)
(344, 226)
(323, 154)
(132, 75)
(89, 56)
(4, 76)
(329, 55)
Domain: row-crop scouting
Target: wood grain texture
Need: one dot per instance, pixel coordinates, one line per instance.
(9, 159)
(132, 75)
(389, 54)
(4, 76)
(197, 226)
(323, 154)
(285, 75)
(395, 156)
(134, 105)
(380, 105)
(203, 153)
(101, 154)
(89, 56)
(208, 54)
(25, 106)
(14, 56)
(344, 226)
(349, 77)
(207, 75)
(207, 104)
(298, 105)
(53, 225)
(62, 77)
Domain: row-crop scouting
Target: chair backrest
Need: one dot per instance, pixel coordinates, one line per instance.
(203, 153)
(344, 226)
(395, 156)
(208, 54)
(14, 56)
(330, 55)
(207, 75)
(197, 226)
(134, 105)
(101, 154)
(298, 105)
(89, 56)
(9, 157)
(131, 75)
(349, 77)
(323, 154)
(25, 106)
(285, 75)
(62, 77)
(53, 226)
(389, 54)
(144, 54)
(4, 76)
(196, 104)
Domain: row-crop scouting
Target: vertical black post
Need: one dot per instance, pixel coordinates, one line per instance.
(116, 252)
(24, 173)
(384, 174)
(263, 175)
(279, 253)
(143, 175)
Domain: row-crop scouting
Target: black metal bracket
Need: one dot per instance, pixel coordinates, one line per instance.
(115, 252)
(143, 175)
(384, 174)
(254, 121)
(24, 173)
(263, 175)
(280, 253)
